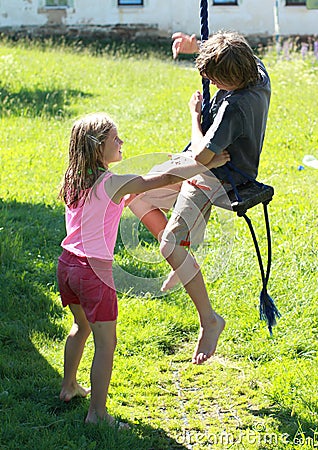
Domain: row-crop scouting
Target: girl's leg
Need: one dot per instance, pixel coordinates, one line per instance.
(105, 342)
(73, 351)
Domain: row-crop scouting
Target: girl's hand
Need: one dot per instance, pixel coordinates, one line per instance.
(129, 198)
(183, 43)
(219, 160)
(195, 103)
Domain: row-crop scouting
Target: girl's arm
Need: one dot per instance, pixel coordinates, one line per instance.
(178, 169)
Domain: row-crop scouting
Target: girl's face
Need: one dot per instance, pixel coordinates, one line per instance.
(112, 147)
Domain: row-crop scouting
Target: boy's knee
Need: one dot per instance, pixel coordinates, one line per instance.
(167, 246)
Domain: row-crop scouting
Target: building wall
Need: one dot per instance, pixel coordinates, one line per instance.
(250, 17)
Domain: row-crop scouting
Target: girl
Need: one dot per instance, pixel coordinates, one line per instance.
(93, 195)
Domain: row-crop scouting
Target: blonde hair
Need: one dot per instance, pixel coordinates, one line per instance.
(227, 58)
(85, 156)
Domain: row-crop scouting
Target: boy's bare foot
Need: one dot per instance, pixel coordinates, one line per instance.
(208, 339)
(170, 282)
(67, 393)
(92, 417)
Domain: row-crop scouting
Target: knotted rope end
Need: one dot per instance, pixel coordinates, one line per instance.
(268, 310)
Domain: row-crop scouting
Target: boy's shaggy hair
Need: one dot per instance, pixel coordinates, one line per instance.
(226, 57)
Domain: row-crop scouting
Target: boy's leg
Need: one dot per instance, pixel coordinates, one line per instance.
(211, 324)
(73, 351)
(153, 218)
(105, 342)
(186, 227)
(149, 207)
(170, 282)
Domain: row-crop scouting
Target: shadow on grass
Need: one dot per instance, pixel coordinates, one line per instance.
(31, 319)
(139, 269)
(291, 426)
(38, 102)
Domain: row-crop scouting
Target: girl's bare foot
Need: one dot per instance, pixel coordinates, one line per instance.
(170, 282)
(92, 417)
(208, 339)
(76, 390)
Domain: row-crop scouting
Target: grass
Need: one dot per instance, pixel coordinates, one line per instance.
(258, 392)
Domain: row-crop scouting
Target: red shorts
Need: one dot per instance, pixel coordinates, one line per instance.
(79, 284)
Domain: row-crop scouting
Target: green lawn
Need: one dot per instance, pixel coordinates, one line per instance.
(258, 392)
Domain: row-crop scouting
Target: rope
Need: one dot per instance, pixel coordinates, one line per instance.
(245, 175)
(269, 244)
(205, 82)
(268, 310)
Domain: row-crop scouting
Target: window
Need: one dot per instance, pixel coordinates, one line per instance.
(312, 4)
(58, 3)
(295, 2)
(130, 2)
(224, 2)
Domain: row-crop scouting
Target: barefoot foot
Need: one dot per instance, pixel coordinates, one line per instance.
(67, 393)
(92, 417)
(208, 339)
(170, 282)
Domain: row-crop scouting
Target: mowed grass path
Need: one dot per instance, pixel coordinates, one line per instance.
(258, 392)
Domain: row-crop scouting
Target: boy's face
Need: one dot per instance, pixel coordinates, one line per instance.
(223, 86)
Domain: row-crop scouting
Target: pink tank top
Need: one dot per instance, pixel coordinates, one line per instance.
(92, 226)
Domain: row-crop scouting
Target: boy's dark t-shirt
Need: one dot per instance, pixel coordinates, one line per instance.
(238, 125)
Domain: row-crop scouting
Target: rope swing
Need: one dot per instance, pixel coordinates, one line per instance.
(243, 197)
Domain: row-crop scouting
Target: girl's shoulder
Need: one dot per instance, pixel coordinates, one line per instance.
(114, 185)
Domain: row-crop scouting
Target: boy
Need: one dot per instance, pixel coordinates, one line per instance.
(238, 115)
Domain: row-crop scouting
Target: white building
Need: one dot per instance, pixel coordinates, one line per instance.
(163, 17)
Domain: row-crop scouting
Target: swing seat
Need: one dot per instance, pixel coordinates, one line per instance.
(251, 194)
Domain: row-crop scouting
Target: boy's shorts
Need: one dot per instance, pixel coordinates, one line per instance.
(191, 210)
(79, 284)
